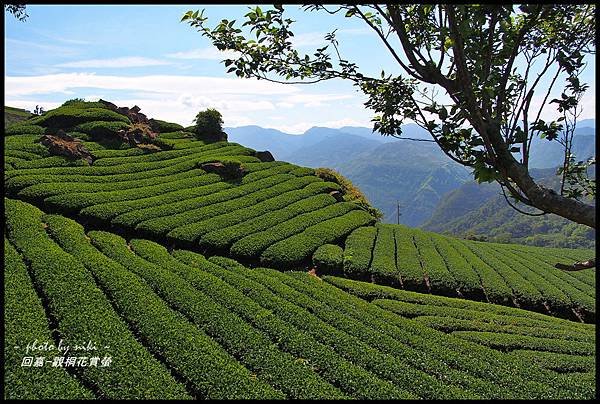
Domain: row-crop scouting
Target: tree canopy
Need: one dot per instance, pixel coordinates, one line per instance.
(488, 60)
(209, 122)
(18, 10)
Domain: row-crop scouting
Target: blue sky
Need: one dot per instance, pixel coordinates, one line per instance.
(143, 55)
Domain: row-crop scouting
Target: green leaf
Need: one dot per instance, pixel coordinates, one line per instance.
(443, 113)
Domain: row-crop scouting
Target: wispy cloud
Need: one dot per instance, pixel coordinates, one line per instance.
(315, 100)
(203, 53)
(160, 84)
(116, 63)
(317, 38)
(30, 46)
(179, 98)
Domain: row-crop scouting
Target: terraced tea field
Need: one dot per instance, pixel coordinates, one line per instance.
(178, 325)
(276, 213)
(184, 261)
(520, 276)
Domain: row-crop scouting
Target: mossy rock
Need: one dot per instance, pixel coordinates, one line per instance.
(228, 169)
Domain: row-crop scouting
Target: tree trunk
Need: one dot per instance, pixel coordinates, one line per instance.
(548, 200)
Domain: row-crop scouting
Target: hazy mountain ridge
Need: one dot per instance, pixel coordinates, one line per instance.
(480, 210)
(388, 170)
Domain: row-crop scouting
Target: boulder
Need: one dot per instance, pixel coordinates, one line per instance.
(138, 133)
(133, 113)
(337, 195)
(264, 156)
(61, 144)
(227, 170)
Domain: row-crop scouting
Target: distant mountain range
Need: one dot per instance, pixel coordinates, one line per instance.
(388, 170)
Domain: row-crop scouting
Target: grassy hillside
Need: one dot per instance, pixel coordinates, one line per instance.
(427, 262)
(14, 115)
(274, 212)
(178, 325)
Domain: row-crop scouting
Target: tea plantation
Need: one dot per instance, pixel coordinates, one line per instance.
(166, 194)
(520, 276)
(193, 283)
(179, 325)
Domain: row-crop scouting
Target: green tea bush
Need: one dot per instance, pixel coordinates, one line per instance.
(513, 378)
(408, 261)
(297, 249)
(163, 126)
(508, 342)
(24, 128)
(253, 245)
(198, 358)
(70, 116)
(25, 321)
(328, 258)
(200, 208)
(221, 238)
(383, 266)
(79, 200)
(494, 286)
(54, 188)
(440, 279)
(20, 154)
(102, 129)
(557, 362)
(193, 231)
(359, 250)
(83, 313)
(252, 301)
(461, 270)
(255, 350)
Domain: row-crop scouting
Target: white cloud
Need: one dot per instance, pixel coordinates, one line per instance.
(179, 98)
(31, 104)
(308, 39)
(183, 109)
(316, 100)
(35, 48)
(346, 122)
(211, 53)
(316, 38)
(16, 86)
(129, 61)
(292, 129)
